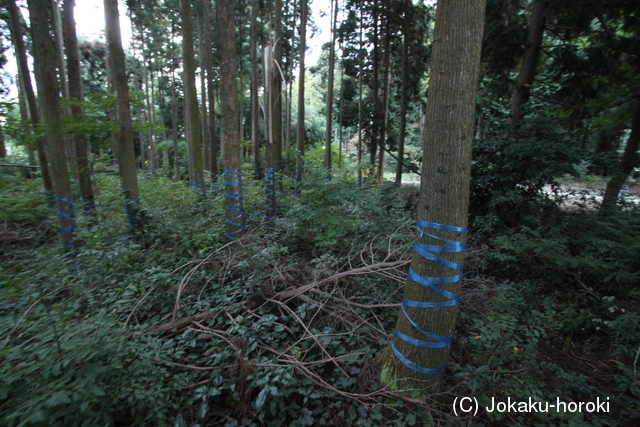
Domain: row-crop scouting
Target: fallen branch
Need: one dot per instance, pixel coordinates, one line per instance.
(182, 323)
(368, 269)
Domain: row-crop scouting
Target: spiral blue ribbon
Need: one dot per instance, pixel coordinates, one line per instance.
(431, 283)
(233, 177)
(130, 208)
(269, 193)
(72, 245)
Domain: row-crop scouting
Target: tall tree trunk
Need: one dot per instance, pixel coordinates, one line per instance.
(75, 94)
(63, 79)
(255, 113)
(25, 78)
(444, 202)
(629, 160)
(208, 61)
(126, 152)
(206, 146)
(332, 49)
(300, 136)
(276, 76)
(229, 119)
(360, 73)
(270, 149)
(375, 137)
(403, 90)
(46, 79)
(3, 148)
(174, 108)
(522, 90)
(191, 97)
(24, 116)
(385, 98)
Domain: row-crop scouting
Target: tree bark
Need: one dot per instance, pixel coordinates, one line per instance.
(75, 94)
(530, 61)
(300, 135)
(276, 86)
(444, 202)
(332, 49)
(385, 98)
(191, 97)
(360, 74)
(208, 63)
(126, 152)
(3, 148)
(229, 119)
(629, 160)
(403, 90)
(46, 79)
(255, 113)
(204, 123)
(25, 78)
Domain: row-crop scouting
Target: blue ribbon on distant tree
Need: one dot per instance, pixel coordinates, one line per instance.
(269, 193)
(72, 244)
(431, 283)
(233, 177)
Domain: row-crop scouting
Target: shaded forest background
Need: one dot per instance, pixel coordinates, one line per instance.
(156, 310)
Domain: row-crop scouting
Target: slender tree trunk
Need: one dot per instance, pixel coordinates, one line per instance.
(385, 98)
(270, 149)
(276, 76)
(300, 137)
(64, 85)
(191, 97)
(255, 113)
(419, 348)
(403, 90)
(46, 79)
(340, 117)
(229, 119)
(24, 116)
(204, 123)
(360, 73)
(3, 148)
(332, 49)
(375, 137)
(208, 60)
(75, 94)
(174, 108)
(527, 74)
(629, 160)
(126, 152)
(34, 112)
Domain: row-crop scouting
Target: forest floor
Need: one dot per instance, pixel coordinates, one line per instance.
(177, 328)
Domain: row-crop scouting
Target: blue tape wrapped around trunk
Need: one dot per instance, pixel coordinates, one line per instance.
(431, 283)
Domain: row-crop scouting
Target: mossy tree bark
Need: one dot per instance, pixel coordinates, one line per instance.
(125, 151)
(75, 94)
(194, 139)
(15, 18)
(444, 190)
(229, 129)
(48, 90)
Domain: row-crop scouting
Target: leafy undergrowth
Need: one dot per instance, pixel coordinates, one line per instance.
(173, 327)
